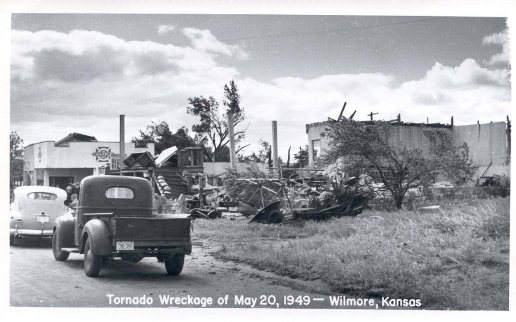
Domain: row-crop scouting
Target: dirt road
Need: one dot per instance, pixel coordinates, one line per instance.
(37, 280)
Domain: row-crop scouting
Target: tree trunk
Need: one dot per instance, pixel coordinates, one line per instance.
(399, 201)
(269, 157)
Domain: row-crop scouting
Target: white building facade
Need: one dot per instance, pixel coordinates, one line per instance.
(48, 164)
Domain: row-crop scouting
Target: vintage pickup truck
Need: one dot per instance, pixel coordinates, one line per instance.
(113, 217)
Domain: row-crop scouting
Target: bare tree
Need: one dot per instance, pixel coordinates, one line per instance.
(213, 128)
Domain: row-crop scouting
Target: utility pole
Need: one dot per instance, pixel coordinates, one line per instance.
(371, 115)
(232, 156)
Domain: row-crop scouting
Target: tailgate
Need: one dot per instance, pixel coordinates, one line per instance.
(164, 230)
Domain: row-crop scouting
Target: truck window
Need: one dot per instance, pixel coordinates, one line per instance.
(119, 193)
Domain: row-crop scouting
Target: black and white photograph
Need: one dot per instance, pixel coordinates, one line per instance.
(281, 161)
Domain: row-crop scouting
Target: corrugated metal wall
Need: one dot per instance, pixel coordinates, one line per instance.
(487, 142)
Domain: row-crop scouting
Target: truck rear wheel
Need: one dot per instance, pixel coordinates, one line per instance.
(59, 255)
(92, 262)
(174, 264)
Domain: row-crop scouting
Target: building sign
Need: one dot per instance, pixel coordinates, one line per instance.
(102, 154)
(40, 156)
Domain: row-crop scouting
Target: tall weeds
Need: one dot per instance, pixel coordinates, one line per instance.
(455, 258)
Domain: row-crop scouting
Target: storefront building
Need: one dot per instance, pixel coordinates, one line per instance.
(69, 160)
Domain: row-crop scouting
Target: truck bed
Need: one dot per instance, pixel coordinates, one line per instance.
(161, 230)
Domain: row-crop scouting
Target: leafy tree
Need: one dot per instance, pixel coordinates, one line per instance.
(212, 129)
(302, 157)
(262, 155)
(162, 136)
(16, 158)
(361, 148)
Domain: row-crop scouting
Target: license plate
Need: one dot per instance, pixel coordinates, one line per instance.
(124, 245)
(43, 219)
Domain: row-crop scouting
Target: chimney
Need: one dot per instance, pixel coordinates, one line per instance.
(122, 142)
(275, 146)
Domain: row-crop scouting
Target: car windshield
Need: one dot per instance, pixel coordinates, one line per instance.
(42, 196)
(119, 193)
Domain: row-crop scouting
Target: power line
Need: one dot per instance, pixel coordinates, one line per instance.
(334, 31)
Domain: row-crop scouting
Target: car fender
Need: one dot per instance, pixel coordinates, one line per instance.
(15, 215)
(64, 225)
(98, 232)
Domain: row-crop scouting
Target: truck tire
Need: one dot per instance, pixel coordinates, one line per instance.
(11, 240)
(59, 255)
(174, 264)
(92, 262)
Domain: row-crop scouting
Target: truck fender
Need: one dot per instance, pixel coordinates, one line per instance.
(98, 232)
(64, 225)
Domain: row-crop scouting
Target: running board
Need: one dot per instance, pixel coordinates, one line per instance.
(70, 250)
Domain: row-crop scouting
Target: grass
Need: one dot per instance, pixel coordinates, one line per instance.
(454, 259)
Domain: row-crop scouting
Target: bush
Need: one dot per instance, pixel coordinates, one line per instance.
(505, 184)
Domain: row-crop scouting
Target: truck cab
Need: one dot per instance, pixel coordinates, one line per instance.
(113, 217)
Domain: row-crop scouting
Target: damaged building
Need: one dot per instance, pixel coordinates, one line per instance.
(489, 144)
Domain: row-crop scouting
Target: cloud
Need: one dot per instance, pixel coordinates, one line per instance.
(205, 41)
(468, 74)
(58, 79)
(311, 100)
(469, 92)
(58, 65)
(165, 29)
(502, 39)
(87, 55)
(82, 80)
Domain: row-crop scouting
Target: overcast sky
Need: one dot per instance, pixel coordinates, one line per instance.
(78, 72)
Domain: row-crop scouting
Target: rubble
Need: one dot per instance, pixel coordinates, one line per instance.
(351, 207)
(271, 214)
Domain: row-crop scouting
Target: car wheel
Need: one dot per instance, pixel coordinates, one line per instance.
(174, 264)
(11, 240)
(92, 262)
(59, 255)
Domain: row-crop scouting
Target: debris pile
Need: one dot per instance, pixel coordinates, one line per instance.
(163, 185)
